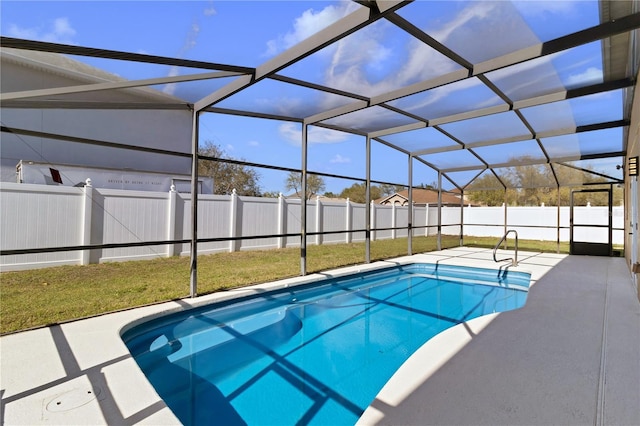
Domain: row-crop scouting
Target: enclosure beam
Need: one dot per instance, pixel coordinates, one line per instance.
(461, 217)
(67, 49)
(611, 219)
(410, 211)
(367, 202)
(558, 223)
(193, 279)
(598, 32)
(303, 204)
(89, 105)
(505, 214)
(439, 246)
(127, 84)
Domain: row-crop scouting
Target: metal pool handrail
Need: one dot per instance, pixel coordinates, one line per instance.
(514, 260)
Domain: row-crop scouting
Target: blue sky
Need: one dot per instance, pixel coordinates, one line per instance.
(372, 61)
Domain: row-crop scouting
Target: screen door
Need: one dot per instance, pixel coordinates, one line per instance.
(591, 226)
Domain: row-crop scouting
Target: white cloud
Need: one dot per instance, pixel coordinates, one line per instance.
(435, 95)
(347, 69)
(189, 43)
(253, 143)
(190, 40)
(537, 8)
(307, 24)
(282, 105)
(290, 132)
(590, 75)
(195, 30)
(293, 133)
(530, 76)
(170, 88)
(60, 31)
(26, 33)
(339, 159)
(351, 59)
(210, 11)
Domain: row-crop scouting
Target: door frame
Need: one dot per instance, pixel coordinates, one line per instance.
(589, 248)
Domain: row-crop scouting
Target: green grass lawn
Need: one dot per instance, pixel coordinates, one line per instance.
(47, 296)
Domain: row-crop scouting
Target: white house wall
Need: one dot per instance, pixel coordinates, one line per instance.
(160, 129)
(631, 185)
(168, 130)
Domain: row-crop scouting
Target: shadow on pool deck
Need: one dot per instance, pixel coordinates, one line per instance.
(570, 356)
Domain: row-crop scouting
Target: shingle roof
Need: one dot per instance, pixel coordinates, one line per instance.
(423, 196)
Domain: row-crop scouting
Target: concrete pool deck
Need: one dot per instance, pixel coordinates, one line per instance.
(570, 356)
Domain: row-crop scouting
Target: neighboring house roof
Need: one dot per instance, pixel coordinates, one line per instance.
(58, 63)
(67, 67)
(296, 194)
(420, 196)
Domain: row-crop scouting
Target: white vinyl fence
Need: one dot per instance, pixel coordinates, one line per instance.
(42, 216)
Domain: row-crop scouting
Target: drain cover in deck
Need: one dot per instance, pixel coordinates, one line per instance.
(73, 399)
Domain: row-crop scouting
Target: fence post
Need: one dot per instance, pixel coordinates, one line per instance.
(393, 221)
(426, 229)
(541, 220)
(348, 221)
(412, 228)
(171, 220)
(504, 205)
(233, 225)
(373, 220)
(318, 220)
(87, 200)
(558, 223)
(282, 212)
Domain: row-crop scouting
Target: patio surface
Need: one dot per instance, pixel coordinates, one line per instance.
(570, 356)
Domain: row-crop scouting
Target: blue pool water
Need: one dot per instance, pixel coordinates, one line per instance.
(314, 354)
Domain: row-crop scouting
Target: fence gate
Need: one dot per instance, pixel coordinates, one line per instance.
(590, 230)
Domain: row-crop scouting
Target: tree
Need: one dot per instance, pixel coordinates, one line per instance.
(532, 185)
(315, 184)
(270, 194)
(388, 189)
(569, 175)
(482, 191)
(535, 182)
(357, 193)
(227, 176)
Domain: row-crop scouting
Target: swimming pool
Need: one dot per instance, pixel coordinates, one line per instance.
(311, 354)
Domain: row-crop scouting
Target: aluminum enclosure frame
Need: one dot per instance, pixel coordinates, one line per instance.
(372, 11)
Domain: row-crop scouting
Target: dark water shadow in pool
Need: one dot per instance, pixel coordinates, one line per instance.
(291, 373)
(201, 394)
(172, 380)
